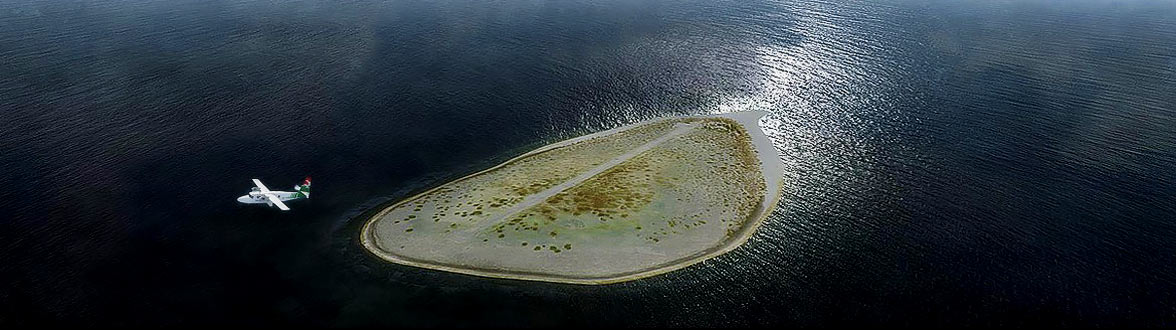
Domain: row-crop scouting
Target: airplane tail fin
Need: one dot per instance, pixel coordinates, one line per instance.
(304, 188)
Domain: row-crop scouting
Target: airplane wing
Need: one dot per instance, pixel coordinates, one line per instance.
(257, 183)
(277, 202)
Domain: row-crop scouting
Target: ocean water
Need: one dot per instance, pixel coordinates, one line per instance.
(979, 163)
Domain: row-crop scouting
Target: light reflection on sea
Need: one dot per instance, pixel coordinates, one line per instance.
(976, 162)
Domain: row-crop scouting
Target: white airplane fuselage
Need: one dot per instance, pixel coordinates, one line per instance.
(262, 195)
(257, 197)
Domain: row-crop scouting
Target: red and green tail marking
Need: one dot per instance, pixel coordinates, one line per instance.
(304, 188)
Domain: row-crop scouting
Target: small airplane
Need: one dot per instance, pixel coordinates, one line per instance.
(260, 194)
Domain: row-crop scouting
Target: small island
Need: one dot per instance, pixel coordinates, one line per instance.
(613, 206)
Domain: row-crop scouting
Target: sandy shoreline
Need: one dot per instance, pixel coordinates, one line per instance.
(770, 167)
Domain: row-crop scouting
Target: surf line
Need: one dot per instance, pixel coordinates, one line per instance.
(682, 128)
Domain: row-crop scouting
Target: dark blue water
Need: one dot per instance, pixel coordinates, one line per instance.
(949, 162)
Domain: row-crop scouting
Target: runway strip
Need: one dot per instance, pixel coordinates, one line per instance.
(544, 195)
